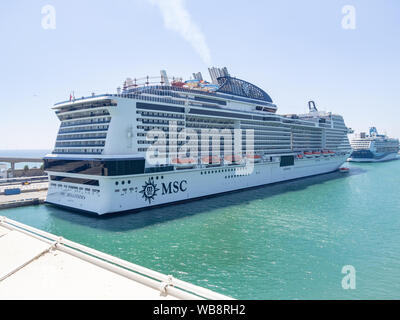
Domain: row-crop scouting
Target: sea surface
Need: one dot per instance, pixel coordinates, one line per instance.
(284, 241)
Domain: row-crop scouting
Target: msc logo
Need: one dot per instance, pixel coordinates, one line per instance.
(174, 187)
(149, 190)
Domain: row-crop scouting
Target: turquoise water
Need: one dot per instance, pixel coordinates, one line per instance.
(284, 241)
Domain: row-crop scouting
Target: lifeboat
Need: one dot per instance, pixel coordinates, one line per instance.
(232, 159)
(179, 84)
(316, 153)
(332, 153)
(211, 160)
(326, 153)
(299, 156)
(183, 162)
(253, 157)
(308, 154)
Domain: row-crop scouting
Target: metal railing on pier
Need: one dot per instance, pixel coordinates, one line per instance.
(165, 284)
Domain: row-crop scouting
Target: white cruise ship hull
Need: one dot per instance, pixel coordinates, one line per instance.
(149, 145)
(387, 157)
(181, 185)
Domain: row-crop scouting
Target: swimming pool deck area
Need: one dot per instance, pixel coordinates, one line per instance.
(38, 265)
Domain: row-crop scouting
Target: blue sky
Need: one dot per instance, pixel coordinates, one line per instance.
(295, 50)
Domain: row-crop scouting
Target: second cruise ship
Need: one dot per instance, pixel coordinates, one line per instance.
(373, 147)
(152, 144)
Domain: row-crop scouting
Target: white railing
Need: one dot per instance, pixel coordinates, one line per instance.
(32, 179)
(166, 284)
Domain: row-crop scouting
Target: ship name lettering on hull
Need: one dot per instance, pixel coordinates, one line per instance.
(174, 187)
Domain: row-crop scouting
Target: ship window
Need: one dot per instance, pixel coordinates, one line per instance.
(75, 180)
(287, 161)
(96, 167)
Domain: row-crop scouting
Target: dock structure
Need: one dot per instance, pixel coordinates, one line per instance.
(31, 194)
(13, 160)
(38, 265)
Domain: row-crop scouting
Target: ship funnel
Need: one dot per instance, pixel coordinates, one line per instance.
(198, 76)
(373, 132)
(216, 73)
(128, 84)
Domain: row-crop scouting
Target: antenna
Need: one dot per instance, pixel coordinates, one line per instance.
(311, 106)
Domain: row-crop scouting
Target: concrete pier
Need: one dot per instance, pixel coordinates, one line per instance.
(38, 265)
(32, 194)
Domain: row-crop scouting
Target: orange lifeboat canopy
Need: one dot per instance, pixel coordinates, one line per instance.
(179, 84)
(211, 160)
(233, 158)
(183, 161)
(253, 156)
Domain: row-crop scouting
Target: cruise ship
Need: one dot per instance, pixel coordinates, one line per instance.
(163, 140)
(373, 147)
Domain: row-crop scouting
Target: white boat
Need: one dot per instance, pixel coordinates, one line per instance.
(373, 147)
(183, 163)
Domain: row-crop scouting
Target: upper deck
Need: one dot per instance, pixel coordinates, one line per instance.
(223, 90)
(118, 123)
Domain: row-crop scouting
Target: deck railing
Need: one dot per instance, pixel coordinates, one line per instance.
(166, 284)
